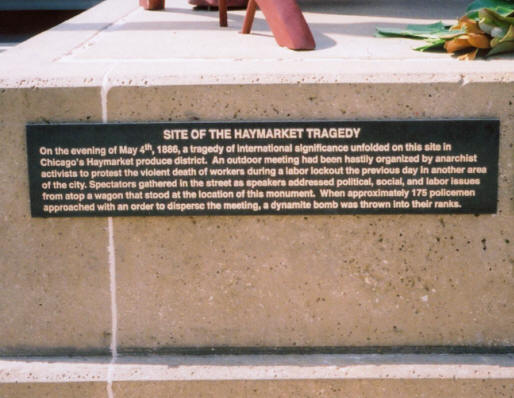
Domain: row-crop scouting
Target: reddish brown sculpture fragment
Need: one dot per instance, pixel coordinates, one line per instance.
(222, 6)
(285, 20)
(152, 4)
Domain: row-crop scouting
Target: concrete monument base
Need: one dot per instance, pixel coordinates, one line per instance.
(99, 286)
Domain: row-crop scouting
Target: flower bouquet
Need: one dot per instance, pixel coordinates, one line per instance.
(487, 28)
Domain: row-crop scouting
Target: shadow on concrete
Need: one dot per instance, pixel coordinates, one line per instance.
(433, 9)
(32, 22)
(443, 350)
(320, 31)
(277, 358)
(235, 22)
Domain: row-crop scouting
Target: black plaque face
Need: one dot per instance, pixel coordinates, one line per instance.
(244, 168)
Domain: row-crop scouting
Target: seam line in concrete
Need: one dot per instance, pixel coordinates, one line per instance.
(114, 306)
(112, 257)
(320, 60)
(114, 309)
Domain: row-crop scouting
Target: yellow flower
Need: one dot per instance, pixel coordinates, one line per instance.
(467, 24)
(474, 38)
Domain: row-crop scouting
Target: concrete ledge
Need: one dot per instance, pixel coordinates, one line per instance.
(177, 46)
(263, 376)
(255, 367)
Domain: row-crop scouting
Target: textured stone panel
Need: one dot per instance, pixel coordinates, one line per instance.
(54, 290)
(320, 388)
(322, 280)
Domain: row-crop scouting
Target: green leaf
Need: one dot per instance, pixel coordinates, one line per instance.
(502, 7)
(493, 18)
(509, 36)
(433, 44)
(430, 31)
(505, 47)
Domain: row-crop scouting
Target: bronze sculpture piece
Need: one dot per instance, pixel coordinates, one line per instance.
(286, 22)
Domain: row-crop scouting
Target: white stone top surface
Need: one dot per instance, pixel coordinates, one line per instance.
(121, 42)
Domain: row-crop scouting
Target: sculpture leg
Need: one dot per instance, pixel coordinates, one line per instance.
(250, 14)
(152, 4)
(222, 6)
(287, 23)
